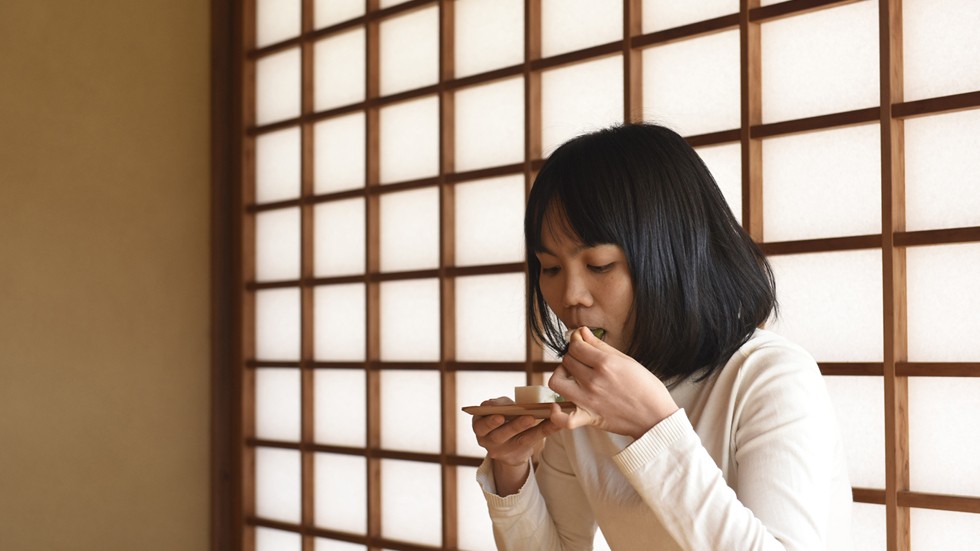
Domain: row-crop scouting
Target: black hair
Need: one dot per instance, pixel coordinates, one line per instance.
(701, 285)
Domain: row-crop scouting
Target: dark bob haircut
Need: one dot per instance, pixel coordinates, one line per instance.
(701, 285)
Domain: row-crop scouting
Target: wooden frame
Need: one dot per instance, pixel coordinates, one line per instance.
(233, 276)
(227, 133)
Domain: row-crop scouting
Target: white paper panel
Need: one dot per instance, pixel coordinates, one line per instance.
(389, 3)
(580, 98)
(277, 244)
(339, 322)
(410, 51)
(277, 404)
(490, 221)
(568, 25)
(944, 438)
(941, 46)
(860, 406)
(340, 492)
(338, 162)
(411, 497)
(943, 301)
(322, 544)
(600, 544)
(489, 35)
(339, 241)
(693, 86)
(410, 320)
(822, 184)
(277, 484)
(659, 15)
(410, 140)
(942, 170)
(340, 414)
(410, 404)
(490, 318)
(276, 20)
(277, 324)
(331, 12)
(820, 62)
(472, 388)
(267, 539)
(830, 304)
(410, 230)
(490, 125)
(945, 530)
(277, 87)
(277, 166)
(868, 528)
(725, 164)
(338, 73)
(475, 528)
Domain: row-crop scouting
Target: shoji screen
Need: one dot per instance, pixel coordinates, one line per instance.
(388, 148)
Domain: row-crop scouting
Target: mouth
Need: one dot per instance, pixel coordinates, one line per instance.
(598, 332)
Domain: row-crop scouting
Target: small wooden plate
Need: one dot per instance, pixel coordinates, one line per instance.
(538, 411)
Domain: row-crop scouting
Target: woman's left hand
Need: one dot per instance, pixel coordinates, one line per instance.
(611, 390)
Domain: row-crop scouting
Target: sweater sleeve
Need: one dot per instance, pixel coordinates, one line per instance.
(549, 513)
(783, 442)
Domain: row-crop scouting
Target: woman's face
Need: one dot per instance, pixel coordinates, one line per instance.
(589, 286)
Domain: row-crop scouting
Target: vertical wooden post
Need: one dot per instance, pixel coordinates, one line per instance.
(895, 321)
(247, 270)
(632, 62)
(750, 47)
(447, 259)
(307, 430)
(373, 258)
(532, 139)
(227, 285)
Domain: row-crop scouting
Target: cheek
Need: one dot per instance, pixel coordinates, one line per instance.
(549, 290)
(624, 302)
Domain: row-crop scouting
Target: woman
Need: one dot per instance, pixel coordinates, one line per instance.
(695, 429)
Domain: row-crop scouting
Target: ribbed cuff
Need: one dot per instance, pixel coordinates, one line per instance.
(656, 440)
(484, 475)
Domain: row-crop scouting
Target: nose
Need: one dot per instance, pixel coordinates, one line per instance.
(576, 291)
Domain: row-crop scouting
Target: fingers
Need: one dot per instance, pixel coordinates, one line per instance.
(525, 436)
(514, 441)
(503, 431)
(484, 424)
(578, 417)
(499, 401)
(510, 440)
(588, 351)
(586, 360)
(573, 377)
(562, 382)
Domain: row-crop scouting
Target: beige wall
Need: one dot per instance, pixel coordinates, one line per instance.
(104, 197)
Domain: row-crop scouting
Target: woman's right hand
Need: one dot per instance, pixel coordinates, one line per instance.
(510, 444)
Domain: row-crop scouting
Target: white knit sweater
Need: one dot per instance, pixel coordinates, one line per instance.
(752, 461)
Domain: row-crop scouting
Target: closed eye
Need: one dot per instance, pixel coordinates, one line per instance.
(551, 270)
(601, 269)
